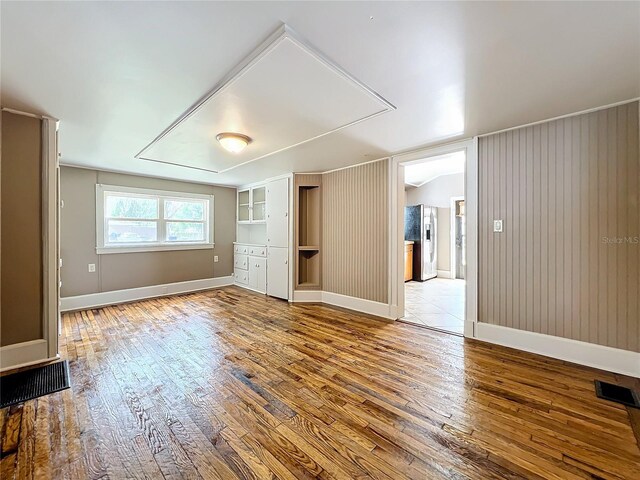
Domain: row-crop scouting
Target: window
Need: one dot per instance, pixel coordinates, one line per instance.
(136, 219)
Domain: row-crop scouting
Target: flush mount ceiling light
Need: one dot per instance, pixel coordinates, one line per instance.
(233, 142)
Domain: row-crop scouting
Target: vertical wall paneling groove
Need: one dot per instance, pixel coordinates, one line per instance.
(356, 231)
(568, 261)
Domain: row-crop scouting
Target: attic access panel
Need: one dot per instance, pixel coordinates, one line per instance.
(282, 95)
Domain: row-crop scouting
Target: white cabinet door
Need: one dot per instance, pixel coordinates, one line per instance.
(278, 272)
(258, 273)
(278, 213)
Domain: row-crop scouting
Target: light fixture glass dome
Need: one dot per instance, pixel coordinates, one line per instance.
(233, 142)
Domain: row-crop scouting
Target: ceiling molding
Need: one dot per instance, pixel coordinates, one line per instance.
(560, 117)
(284, 32)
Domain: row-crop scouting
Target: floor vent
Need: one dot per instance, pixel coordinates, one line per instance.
(616, 393)
(33, 383)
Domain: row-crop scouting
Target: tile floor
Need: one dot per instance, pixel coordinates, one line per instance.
(437, 303)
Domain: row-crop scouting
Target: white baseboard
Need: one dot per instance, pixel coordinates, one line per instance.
(129, 295)
(583, 353)
(307, 296)
(352, 303)
(358, 304)
(23, 354)
(444, 274)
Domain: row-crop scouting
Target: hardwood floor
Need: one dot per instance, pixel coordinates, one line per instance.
(230, 384)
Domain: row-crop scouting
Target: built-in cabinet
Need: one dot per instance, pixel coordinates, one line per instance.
(261, 253)
(250, 266)
(278, 238)
(252, 205)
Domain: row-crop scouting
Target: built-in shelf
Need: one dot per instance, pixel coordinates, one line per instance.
(309, 215)
(308, 268)
(308, 232)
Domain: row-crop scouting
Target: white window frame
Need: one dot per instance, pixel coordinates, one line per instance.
(104, 247)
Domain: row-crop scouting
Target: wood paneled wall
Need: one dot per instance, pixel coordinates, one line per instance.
(355, 232)
(568, 261)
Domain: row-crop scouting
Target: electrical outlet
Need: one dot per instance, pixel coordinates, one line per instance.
(92, 267)
(497, 226)
(215, 259)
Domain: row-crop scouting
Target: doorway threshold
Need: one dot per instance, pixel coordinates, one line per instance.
(435, 329)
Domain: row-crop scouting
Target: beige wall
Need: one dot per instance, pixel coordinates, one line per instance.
(130, 270)
(355, 231)
(563, 188)
(21, 230)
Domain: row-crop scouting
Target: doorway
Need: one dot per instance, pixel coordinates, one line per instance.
(434, 242)
(439, 182)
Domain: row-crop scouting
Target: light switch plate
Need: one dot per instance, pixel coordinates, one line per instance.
(497, 226)
(92, 267)
(215, 259)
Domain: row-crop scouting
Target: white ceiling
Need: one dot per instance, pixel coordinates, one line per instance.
(284, 95)
(418, 173)
(117, 73)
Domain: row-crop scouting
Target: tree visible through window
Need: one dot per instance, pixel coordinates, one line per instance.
(136, 217)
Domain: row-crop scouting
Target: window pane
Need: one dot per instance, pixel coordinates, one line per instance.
(185, 232)
(118, 206)
(131, 231)
(183, 210)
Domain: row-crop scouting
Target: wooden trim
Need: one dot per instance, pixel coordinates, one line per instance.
(583, 353)
(568, 115)
(361, 305)
(50, 262)
(93, 300)
(396, 233)
(471, 188)
(24, 354)
(281, 33)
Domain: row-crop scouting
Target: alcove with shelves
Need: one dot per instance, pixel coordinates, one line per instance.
(308, 208)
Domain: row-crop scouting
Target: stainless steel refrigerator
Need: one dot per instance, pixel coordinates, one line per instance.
(420, 222)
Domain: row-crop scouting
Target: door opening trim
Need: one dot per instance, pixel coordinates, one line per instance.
(396, 230)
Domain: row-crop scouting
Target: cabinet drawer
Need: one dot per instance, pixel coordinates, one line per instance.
(241, 276)
(241, 261)
(243, 249)
(258, 251)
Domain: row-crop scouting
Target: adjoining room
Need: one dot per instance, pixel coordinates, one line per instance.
(434, 234)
